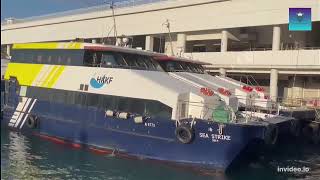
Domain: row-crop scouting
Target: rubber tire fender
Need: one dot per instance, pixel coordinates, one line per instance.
(184, 134)
(32, 122)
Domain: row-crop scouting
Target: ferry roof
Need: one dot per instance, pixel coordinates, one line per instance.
(173, 58)
(102, 47)
(81, 45)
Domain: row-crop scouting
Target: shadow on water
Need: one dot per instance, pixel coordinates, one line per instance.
(34, 158)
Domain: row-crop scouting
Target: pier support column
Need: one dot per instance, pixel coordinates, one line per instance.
(8, 49)
(276, 38)
(274, 84)
(222, 72)
(224, 41)
(149, 43)
(181, 43)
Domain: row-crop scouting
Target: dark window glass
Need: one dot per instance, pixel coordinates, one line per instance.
(80, 98)
(108, 102)
(130, 59)
(124, 104)
(58, 96)
(70, 98)
(48, 56)
(176, 66)
(155, 108)
(108, 59)
(92, 99)
(38, 93)
(92, 58)
(172, 66)
(138, 106)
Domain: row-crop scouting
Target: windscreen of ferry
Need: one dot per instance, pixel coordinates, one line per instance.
(121, 60)
(48, 56)
(180, 66)
(90, 58)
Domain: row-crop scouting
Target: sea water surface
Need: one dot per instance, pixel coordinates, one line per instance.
(30, 157)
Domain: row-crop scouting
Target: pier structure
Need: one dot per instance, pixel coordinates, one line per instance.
(246, 38)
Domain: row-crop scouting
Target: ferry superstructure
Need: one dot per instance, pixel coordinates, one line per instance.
(193, 72)
(120, 101)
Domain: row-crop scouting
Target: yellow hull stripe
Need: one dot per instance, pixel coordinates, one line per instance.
(42, 75)
(25, 73)
(51, 45)
(49, 76)
(56, 77)
(28, 73)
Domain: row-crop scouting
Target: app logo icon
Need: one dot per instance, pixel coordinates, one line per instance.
(300, 19)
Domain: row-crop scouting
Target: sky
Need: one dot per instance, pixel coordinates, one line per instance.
(28, 8)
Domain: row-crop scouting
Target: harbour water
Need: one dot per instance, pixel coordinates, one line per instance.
(30, 157)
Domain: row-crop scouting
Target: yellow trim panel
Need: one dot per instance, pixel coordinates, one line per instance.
(29, 74)
(25, 73)
(51, 45)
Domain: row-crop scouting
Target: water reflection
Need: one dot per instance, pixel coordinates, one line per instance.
(34, 158)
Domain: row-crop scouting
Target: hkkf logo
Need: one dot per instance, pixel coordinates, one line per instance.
(100, 81)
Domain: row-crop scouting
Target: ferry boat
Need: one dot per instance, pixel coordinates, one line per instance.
(119, 101)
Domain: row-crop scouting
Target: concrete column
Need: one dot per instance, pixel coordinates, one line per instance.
(276, 38)
(94, 41)
(222, 72)
(149, 43)
(274, 84)
(297, 87)
(224, 41)
(8, 49)
(181, 43)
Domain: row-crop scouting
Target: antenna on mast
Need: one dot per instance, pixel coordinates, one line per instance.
(167, 24)
(114, 21)
(114, 28)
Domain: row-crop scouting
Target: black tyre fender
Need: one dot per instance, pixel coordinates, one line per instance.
(32, 122)
(184, 133)
(271, 134)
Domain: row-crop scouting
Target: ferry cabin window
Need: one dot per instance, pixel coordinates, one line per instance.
(123, 104)
(120, 60)
(48, 56)
(109, 59)
(92, 58)
(137, 61)
(171, 66)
